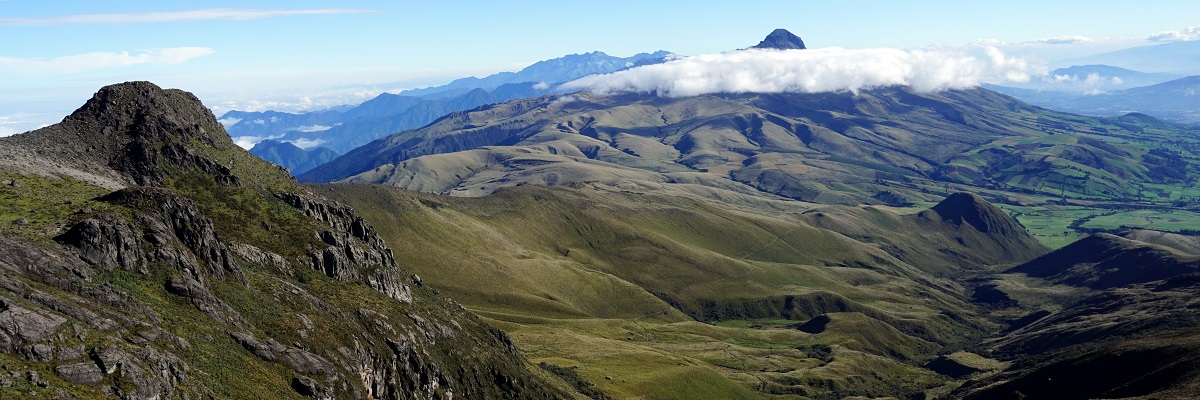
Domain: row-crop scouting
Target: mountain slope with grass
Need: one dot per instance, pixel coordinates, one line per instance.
(879, 146)
(679, 296)
(1104, 317)
(147, 256)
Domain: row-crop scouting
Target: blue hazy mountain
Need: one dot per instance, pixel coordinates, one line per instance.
(1173, 101)
(1092, 79)
(290, 156)
(1181, 58)
(560, 69)
(344, 129)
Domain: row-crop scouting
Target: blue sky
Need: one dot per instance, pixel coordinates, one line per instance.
(296, 55)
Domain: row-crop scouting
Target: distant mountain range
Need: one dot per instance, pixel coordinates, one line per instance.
(287, 155)
(1092, 79)
(823, 147)
(1175, 101)
(342, 130)
(560, 69)
(1179, 58)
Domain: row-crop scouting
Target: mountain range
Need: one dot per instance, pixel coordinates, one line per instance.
(1174, 101)
(883, 243)
(287, 155)
(1177, 58)
(344, 130)
(1093, 79)
(839, 148)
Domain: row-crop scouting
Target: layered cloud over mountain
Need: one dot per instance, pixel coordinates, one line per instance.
(815, 70)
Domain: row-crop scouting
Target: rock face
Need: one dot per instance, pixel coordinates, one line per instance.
(781, 39)
(352, 246)
(209, 264)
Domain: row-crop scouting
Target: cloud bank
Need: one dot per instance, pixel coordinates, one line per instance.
(101, 60)
(225, 14)
(1190, 34)
(815, 70)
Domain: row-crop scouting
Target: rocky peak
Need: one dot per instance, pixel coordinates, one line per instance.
(781, 39)
(133, 133)
(137, 108)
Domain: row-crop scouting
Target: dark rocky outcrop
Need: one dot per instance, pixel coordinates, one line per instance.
(354, 251)
(134, 133)
(781, 39)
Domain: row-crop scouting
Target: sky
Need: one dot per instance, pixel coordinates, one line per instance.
(292, 55)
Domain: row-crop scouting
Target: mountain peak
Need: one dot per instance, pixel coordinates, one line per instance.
(781, 39)
(971, 209)
(135, 133)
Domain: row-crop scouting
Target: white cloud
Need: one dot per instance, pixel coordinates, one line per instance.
(1190, 34)
(311, 128)
(101, 60)
(13, 124)
(815, 70)
(297, 103)
(226, 14)
(306, 144)
(541, 86)
(246, 142)
(228, 122)
(1059, 40)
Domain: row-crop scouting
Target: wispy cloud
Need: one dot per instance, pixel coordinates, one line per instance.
(1059, 40)
(226, 14)
(815, 70)
(1190, 34)
(101, 60)
(13, 124)
(306, 144)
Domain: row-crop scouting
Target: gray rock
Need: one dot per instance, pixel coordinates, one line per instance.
(107, 243)
(38, 352)
(71, 353)
(84, 373)
(29, 326)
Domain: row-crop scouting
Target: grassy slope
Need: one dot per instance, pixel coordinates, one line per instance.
(615, 282)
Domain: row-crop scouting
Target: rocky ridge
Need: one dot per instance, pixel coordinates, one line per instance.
(206, 264)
